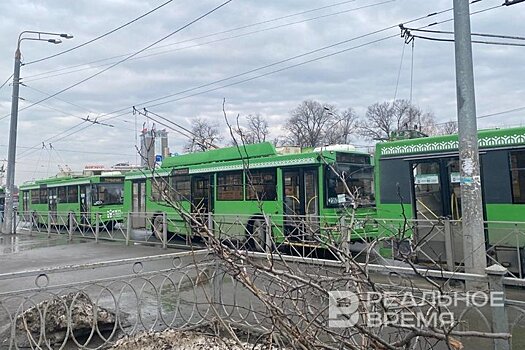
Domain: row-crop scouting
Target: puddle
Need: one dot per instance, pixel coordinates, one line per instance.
(12, 244)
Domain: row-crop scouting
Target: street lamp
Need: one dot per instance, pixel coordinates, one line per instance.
(10, 224)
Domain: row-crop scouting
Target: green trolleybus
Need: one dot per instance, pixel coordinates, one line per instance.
(251, 181)
(51, 201)
(419, 179)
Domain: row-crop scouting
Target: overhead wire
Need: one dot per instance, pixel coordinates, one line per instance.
(276, 63)
(46, 75)
(100, 36)
(215, 82)
(6, 81)
(487, 35)
(57, 98)
(472, 41)
(399, 71)
(130, 56)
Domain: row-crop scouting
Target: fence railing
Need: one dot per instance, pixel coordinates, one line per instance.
(58, 308)
(436, 244)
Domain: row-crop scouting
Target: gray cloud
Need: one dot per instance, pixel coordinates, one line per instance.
(356, 78)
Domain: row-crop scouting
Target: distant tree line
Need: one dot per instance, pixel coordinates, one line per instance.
(313, 124)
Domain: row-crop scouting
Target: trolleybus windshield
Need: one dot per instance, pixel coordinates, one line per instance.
(359, 179)
(107, 194)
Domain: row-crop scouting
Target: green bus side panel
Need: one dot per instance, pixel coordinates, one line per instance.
(510, 229)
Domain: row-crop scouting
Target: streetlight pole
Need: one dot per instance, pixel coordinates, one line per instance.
(9, 222)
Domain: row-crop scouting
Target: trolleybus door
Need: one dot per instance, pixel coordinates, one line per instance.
(300, 203)
(85, 204)
(437, 196)
(52, 205)
(138, 205)
(201, 197)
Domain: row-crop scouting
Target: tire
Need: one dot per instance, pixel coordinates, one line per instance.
(157, 227)
(258, 235)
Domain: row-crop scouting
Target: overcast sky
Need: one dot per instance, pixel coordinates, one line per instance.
(214, 48)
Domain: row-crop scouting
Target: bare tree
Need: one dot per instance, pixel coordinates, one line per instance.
(257, 128)
(205, 135)
(382, 119)
(448, 128)
(313, 124)
(342, 128)
(255, 131)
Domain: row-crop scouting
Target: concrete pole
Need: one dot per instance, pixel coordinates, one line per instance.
(11, 155)
(472, 211)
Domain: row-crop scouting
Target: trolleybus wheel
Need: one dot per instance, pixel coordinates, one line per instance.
(258, 235)
(157, 227)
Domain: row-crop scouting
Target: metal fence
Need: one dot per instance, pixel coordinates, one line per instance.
(90, 306)
(436, 244)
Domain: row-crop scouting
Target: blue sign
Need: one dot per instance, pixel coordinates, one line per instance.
(158, 158)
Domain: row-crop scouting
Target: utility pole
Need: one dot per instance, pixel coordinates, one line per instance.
(11, 153)
(472, 211)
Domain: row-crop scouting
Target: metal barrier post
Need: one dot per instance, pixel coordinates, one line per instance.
(70, 226)
(164, 231)
(14, 222)
(216, 284)
(518, 252)
(97, 226)
(449, 252)
(268, 243)
(500, 321)
(49, 225)
(128, 228)
(345, 237)
(31, 219)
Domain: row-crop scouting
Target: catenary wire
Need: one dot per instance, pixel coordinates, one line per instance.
(67, 70)
(101, 36)
(384, 29)
(128, 57)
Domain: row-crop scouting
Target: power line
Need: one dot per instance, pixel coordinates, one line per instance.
(59, 99)
(69, 150)
(260, 68)
(130, 56)
(6, 81)
(472, 41)
(100, 36)
(399, 71)
(46, 75)
(487, 35)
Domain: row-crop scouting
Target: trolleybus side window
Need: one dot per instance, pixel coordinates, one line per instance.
(229, 186)
(181, 187)
(160, 189)
(517, 170)
(261, 185)
(35, 196)
(62, 196)
(43, 196)
(72, 194)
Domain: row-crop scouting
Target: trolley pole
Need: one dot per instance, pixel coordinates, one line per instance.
(473, 228)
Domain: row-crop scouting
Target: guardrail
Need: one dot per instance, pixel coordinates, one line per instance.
(197, 289)
(436, 244)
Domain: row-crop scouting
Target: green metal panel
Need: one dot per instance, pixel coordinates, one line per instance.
(264, 149)
(493, 138)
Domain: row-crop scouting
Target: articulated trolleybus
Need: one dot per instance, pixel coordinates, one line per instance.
(419, 178)
(247, 182)
(89, 198)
